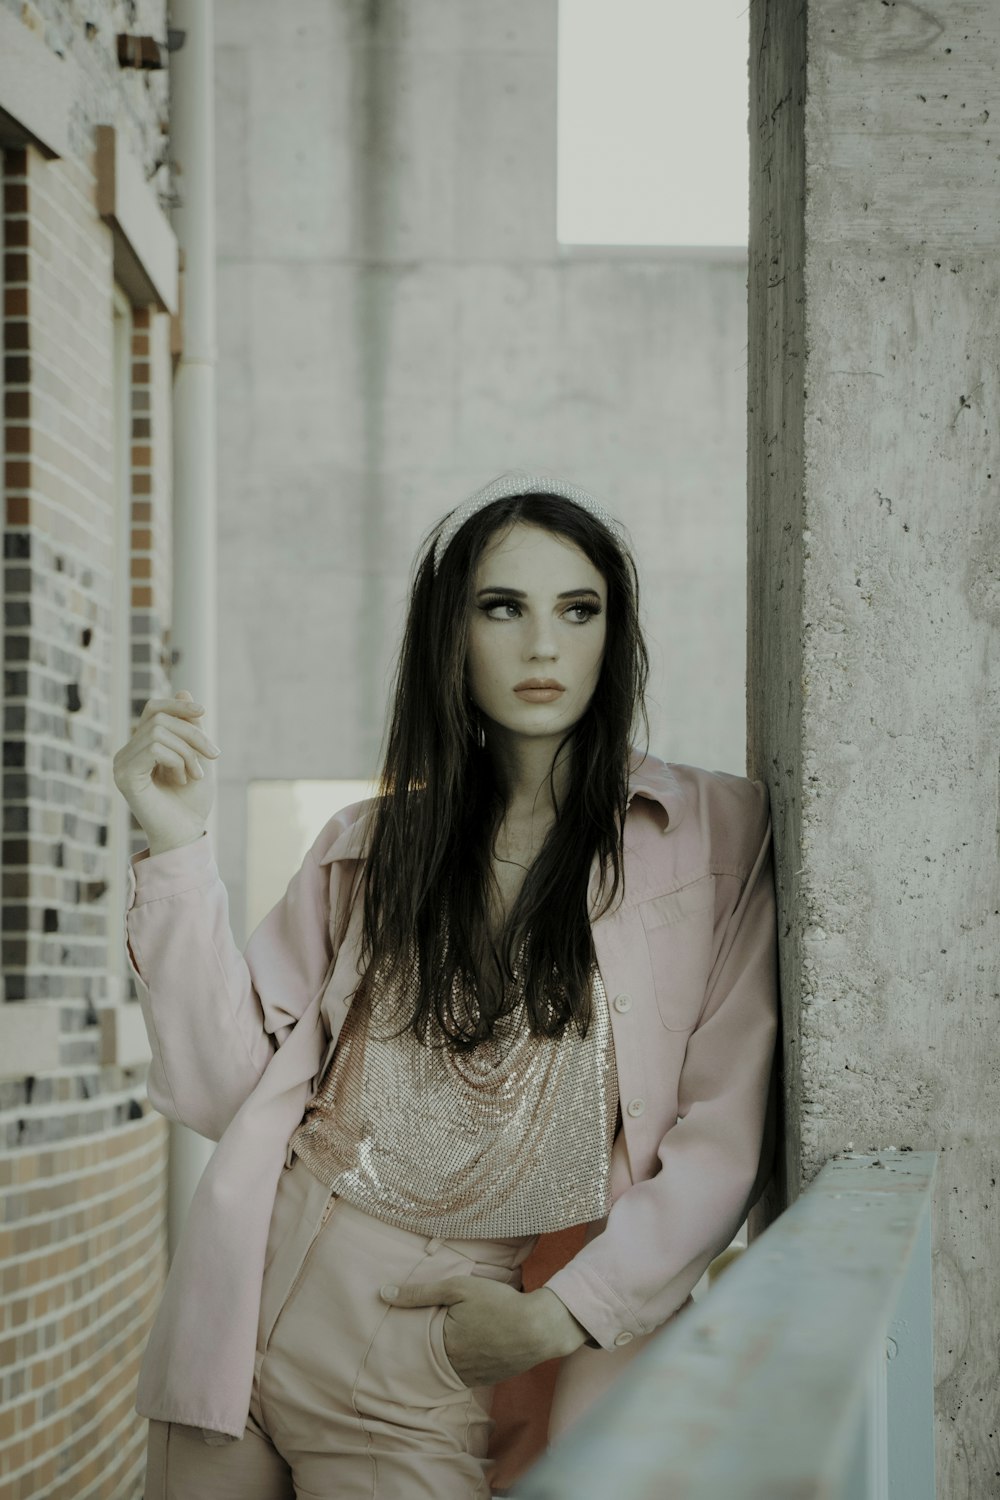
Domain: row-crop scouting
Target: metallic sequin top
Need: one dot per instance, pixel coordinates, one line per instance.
(512, 1138)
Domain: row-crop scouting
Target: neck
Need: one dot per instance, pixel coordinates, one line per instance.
(523, 767)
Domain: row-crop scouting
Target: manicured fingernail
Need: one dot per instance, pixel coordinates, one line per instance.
(198, 771)
(388, 1292)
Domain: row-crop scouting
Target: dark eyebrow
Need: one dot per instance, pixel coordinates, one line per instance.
(519, 594)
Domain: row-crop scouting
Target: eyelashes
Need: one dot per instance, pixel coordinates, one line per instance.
(588, 610)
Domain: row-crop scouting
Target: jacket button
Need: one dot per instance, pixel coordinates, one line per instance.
(635, 1108)
(622, 1002)
(623, 1338)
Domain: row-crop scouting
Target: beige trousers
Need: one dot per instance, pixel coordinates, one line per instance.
(351, 1398)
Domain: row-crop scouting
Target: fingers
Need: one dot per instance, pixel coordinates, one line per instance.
(425, 1293)
(177, 714)
(185, 706)
(172, 749)
(167, 723)
(167, 735)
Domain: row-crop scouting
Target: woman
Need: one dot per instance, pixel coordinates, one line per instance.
(512, 1025)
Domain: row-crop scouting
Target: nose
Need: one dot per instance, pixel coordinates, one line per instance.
(541, 642)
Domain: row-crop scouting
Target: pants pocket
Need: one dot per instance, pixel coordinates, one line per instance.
(439, 1350)
(403, 1364)
(406, 1365)
(510, 1275)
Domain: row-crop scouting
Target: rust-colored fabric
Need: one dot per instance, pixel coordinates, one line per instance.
(521, 1405)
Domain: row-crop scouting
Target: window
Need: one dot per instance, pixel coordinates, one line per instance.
(283, 818)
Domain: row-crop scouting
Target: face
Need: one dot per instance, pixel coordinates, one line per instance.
(537, 626)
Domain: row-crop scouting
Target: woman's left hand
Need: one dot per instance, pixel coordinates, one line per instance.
(491, 1331)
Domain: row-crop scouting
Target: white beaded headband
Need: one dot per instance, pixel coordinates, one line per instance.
(518, 482)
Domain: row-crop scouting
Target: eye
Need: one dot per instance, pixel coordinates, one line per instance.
(581, 613)
(500, 609)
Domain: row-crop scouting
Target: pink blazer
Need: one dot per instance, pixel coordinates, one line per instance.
(239, 1041)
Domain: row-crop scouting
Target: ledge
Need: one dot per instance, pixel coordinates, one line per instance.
(808, 1367)
(36, 90)
(145, 245)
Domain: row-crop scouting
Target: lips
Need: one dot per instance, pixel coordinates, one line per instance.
(539, 690)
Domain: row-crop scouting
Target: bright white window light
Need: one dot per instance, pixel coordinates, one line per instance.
(283, 818)
(652, 122)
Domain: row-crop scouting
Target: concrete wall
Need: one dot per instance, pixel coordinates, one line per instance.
(397, 324)
(875, 602)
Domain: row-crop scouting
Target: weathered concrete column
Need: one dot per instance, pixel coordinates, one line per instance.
(194, 617)
(874, 584)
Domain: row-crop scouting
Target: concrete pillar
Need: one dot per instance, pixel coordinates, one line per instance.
(194, 621)
(874, 549)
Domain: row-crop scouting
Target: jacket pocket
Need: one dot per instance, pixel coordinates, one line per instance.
(679, 930)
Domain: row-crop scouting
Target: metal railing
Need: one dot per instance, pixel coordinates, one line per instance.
(805, 1371)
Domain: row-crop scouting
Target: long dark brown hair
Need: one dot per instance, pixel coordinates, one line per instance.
(427, 876)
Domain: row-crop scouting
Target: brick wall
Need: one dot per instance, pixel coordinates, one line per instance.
(82, 1155)
(58, 525)
(82, 1262)
(150, 521)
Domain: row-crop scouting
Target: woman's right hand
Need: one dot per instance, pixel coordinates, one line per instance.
(160, 774)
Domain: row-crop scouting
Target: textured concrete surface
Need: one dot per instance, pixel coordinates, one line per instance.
(875, 602)
(397, 324)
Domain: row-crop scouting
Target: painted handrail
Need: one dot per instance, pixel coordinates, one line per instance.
(805, 1370)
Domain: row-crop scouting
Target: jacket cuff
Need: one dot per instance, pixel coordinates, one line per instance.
(610, 1321)
(170, 873)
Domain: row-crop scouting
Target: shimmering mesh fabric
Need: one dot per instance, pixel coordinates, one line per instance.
(512, 1138)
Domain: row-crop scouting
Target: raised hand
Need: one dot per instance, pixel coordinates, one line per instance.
(160, 774)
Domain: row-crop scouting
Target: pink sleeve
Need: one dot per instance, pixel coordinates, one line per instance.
(215, 1015)
(661, 1234)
